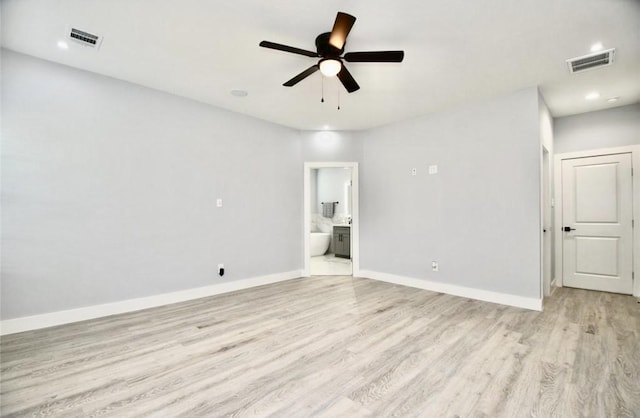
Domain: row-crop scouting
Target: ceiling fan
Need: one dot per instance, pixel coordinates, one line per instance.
(330, 46)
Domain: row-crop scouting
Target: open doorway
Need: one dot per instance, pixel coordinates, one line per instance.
(330, 218)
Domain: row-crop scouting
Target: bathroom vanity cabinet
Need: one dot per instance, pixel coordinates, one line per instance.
(342, 241)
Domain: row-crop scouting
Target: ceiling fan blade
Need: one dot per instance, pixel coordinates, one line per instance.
(306, 73)
(341, 28)
(286, 48)
(347, 80)
(374, 56)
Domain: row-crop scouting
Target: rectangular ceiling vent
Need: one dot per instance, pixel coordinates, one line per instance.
(85, 38)
(591, 61)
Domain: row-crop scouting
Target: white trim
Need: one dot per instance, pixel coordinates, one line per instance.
(541, 217)
(27, 323)
(557, 218)
(545, 207)
(355, 218)
(635, 161)
(462, 291)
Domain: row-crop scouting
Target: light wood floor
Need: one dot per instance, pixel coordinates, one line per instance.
(336, 347)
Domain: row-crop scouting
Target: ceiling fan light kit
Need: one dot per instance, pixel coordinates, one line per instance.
(330, 67)
(329, 48)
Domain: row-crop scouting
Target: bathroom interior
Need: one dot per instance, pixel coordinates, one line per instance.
(331, 203)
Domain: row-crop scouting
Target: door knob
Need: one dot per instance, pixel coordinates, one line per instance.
(568, 229)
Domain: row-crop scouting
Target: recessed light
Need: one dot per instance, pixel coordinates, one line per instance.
(613, 99)
(239, 93)
(63, 45)
(596, 47)
(592, 96)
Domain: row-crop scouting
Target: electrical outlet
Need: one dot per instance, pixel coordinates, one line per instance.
(219, 202)
(414, 171)
(434, 266)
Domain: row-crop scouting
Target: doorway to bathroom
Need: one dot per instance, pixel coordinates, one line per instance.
(331, 224)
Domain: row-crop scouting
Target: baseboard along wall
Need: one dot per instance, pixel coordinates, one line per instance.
(28, 323)
(462, 291)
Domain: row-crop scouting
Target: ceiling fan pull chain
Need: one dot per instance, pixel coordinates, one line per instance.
(338, 98)
(322, 99)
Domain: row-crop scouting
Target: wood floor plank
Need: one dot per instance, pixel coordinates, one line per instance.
(334, 346)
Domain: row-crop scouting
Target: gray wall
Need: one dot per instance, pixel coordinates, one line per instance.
(109, 191)
(479, 217)
(615, 127)
(330, 146)
(331, 188)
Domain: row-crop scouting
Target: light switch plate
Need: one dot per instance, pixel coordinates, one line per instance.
(219, 202)
(433, 169)
(414, 171)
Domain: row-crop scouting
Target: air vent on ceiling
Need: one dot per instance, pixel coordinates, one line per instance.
(591, 61)
(85, 38)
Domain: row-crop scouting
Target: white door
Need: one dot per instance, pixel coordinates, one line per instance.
(597, 223)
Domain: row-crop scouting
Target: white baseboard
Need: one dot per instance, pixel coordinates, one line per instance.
(451, 289)
(27, 323)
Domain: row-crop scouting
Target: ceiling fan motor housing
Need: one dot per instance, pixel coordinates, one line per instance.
(325, 49)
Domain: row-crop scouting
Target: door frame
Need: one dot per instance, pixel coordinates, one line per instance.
(546, 239)
(634, 150)
(355, 218)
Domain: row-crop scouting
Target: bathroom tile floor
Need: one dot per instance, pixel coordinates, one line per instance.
(330, 265)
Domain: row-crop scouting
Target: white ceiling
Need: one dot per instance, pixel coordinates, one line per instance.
(455, 51)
